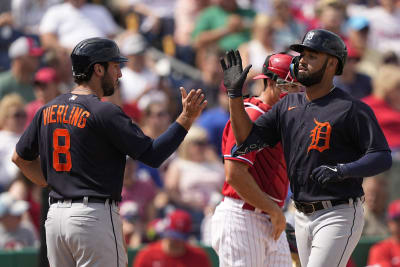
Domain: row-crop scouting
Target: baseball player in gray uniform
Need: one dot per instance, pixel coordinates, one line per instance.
(330, 141)
(77, 145)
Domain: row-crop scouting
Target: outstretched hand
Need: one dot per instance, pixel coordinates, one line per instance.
(192, 106)
(234, 75)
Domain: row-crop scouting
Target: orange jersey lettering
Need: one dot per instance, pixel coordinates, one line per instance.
(65, 114)
(76, 116)
(82, 121)
(52, 113)
(45, 114)
(60, 111)
(320, 136)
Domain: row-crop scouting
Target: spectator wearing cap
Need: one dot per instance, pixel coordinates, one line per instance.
(387, 252)
(15, 234)
(358, 30)
(353, 82)
(46, 88)
(138, 83)
(173, 249)
(12, 123)
(24, 53)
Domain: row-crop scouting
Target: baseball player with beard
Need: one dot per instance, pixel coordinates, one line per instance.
(77, 145)
(330, 141)
(247, 225)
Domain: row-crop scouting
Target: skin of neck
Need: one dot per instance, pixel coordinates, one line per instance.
(93, 86)
(319, 90)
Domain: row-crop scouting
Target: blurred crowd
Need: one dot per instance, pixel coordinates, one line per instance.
(173, 43)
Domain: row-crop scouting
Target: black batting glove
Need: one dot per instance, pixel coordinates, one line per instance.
(234, 75)
(327, 174)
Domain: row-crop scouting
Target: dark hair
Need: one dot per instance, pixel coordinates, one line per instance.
(79, 79)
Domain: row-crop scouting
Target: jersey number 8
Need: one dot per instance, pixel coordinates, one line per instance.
(57, 150)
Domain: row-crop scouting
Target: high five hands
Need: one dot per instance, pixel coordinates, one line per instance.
(234, 75)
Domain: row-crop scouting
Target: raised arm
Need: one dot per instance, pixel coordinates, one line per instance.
(234, 78)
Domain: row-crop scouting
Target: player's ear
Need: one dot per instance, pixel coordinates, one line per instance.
(99, 69)
(333, 62)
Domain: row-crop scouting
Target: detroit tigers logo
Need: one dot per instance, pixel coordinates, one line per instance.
(320, 136)
(310, 36)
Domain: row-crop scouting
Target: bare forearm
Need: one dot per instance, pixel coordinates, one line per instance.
(209, 37)
(31, 169)
(241, 123)
(50, 41)
(245, 185)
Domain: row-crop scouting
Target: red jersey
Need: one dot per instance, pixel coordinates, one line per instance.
(385, 254)
(267, 166)
(153, 255)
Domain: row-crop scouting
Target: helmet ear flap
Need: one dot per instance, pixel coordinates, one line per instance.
(294, 67)
(273, 76)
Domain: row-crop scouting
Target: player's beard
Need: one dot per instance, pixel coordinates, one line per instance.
(107, 85)
(309, 79)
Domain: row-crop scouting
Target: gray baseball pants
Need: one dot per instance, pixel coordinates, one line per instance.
(84, 234)
(328, 237)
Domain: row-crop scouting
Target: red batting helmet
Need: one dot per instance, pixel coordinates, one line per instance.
(276, 67)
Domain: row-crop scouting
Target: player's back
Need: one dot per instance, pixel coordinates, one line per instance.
(82, 146)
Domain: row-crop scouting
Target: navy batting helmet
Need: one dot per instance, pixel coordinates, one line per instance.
(324, 41)
(91, 51)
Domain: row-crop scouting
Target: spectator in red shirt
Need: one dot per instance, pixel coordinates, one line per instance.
(385, 102)
(173, 250)
(387, 252)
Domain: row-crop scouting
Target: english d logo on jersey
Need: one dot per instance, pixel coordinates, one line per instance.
(320, 136)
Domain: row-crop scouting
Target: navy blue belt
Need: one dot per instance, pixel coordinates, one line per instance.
(80, 200)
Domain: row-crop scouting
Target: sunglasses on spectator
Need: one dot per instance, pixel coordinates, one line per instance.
(19, 115)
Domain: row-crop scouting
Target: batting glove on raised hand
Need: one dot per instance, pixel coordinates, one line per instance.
(327, 174)
(234, 75)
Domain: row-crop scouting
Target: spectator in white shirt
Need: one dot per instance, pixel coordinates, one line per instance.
(138, 83)
(67, 24)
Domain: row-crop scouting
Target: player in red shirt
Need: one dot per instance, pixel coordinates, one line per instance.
(173, 250)
(247, 225)
(387, 252)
